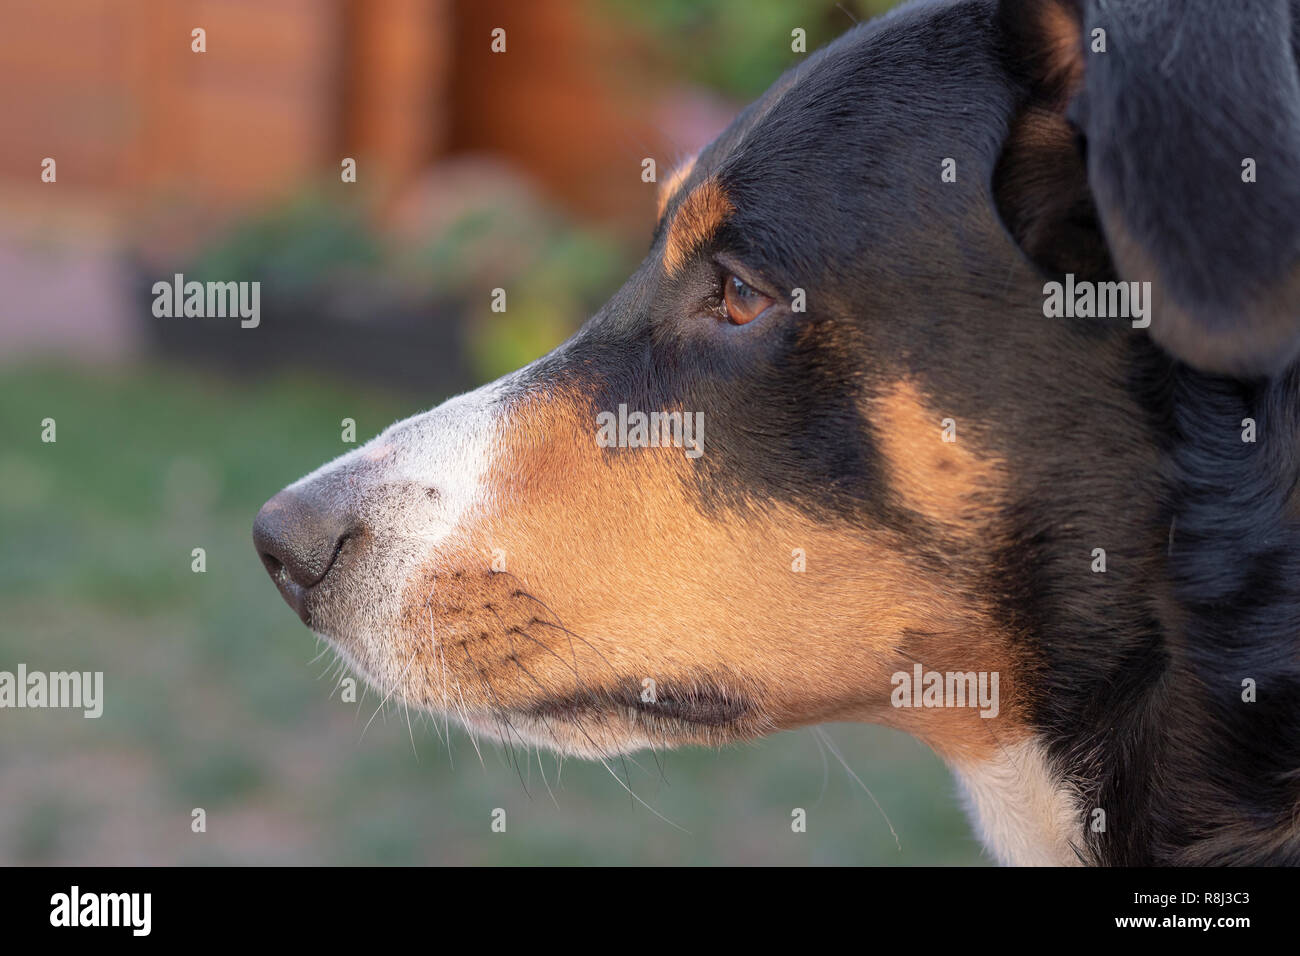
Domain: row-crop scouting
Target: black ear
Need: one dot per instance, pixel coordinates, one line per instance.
(1190, 111)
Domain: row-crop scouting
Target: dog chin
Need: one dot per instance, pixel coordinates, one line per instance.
(584, 739)
(590, 735)
(608, 731)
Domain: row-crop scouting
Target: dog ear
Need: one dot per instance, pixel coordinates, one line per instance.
(1189, 112)
(1041, 180)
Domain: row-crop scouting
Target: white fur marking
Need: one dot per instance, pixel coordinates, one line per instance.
(1024, 815)
(413, 488)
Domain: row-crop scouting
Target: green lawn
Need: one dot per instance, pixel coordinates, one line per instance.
(215, 698)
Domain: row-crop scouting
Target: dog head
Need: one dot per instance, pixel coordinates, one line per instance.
(822, 431)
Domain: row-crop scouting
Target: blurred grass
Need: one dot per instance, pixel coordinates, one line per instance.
(213, 701)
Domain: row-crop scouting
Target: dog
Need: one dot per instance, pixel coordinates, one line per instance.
(919, 458)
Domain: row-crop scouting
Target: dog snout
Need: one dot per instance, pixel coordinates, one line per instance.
(299, 536)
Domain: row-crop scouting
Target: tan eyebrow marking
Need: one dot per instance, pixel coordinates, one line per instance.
(696, 219)
(669, 187)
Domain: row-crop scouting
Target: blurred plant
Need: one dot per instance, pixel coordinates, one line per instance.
(739, 47)
(554, 272)
(570, 274)
(470, 238)
(301, 243)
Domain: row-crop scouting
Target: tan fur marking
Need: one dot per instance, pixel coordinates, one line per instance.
(949, 483)
(697, 218)
(1063, 55)
(670, 186)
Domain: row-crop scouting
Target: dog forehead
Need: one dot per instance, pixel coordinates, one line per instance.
(842, 135)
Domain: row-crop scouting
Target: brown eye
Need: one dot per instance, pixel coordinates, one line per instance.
(742, 301)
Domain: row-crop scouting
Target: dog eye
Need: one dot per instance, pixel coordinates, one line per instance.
(741, 301)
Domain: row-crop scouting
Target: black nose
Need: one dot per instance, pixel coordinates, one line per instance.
(298, 538)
